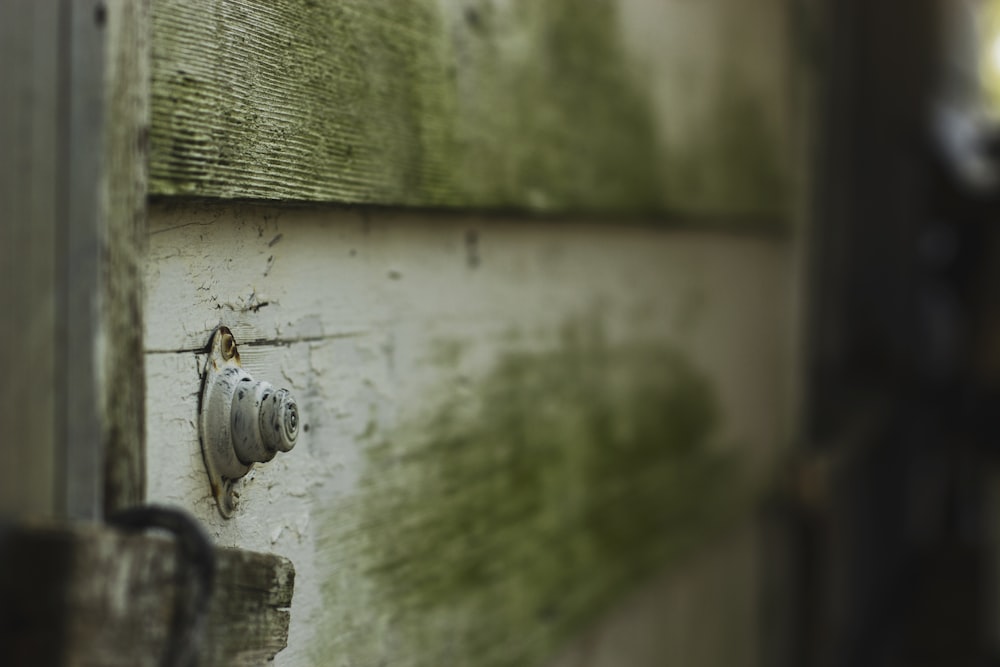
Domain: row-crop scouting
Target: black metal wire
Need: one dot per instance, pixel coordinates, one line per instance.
(195, 575)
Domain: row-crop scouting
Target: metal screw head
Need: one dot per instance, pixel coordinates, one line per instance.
(228, 346)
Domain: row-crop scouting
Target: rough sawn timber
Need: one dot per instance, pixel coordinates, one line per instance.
(249, 615)
(612, 105)
(97, 596)
(126, 156)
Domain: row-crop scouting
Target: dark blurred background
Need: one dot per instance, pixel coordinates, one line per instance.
(899, 497)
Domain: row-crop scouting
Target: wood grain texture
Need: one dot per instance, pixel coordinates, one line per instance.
(100, 597)
(126, 156)
(94, 596)
(506, 426)
(616, 105)
(248, 620)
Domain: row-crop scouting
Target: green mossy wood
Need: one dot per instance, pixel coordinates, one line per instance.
(551, 106)
(522, 507)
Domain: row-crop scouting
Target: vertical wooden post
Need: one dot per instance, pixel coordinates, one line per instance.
(127, 91)
(79, 241)
(72, 201)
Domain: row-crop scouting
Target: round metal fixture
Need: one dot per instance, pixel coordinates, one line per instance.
(243, 421)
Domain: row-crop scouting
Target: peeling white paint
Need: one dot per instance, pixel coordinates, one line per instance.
(361, 348)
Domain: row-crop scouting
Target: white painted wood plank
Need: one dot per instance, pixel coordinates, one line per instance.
(705, 612)
(376, 320)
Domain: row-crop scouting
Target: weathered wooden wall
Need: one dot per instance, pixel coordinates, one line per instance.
(508, 424)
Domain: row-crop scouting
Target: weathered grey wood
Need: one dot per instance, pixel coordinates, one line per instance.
(90, 595)
(72, 185)
(626, 105)
(82, 233)
(30, 67)
(126, 89)
(248, 620)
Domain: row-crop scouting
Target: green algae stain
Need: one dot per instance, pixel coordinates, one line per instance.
(735, 162)
(507, 105)
(550, 114)
(492, 529)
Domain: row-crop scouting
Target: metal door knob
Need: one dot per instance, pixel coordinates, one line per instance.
(243, 421)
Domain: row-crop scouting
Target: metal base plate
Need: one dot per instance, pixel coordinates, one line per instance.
(223, 371)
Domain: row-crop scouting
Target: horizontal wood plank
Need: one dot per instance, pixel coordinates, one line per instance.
(624, 105)
(248, 619)
(92, 595)
(505, 426)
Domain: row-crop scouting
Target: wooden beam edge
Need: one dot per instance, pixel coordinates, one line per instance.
(96, 595)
